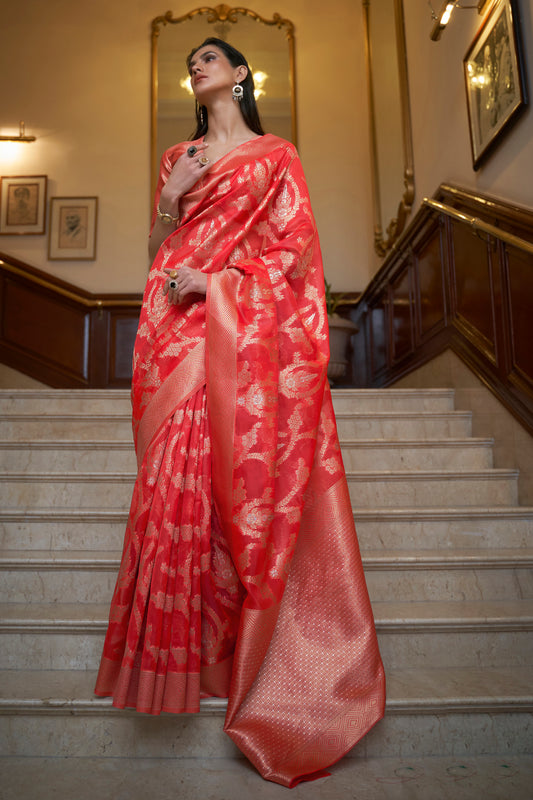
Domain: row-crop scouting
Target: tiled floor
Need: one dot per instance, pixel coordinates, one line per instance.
(482, 778)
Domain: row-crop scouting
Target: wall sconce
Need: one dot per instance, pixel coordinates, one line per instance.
(443, 17)
(21, 136)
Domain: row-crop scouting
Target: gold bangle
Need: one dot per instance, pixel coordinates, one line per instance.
(167, 219)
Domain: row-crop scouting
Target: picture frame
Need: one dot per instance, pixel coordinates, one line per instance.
(72, 231)
(23, 205)
(494, 79)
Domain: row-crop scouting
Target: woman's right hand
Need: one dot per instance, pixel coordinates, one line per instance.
(185, 173)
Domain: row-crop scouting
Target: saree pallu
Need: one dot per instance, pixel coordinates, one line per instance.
(241, 575)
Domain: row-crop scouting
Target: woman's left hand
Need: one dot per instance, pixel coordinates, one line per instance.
(187, 280)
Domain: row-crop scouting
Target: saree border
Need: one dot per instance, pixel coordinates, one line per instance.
(221, 368)
(185, 380)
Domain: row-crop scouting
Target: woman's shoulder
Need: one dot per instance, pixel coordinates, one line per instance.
(274, 142)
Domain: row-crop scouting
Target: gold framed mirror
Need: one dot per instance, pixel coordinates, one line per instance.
(268, 45)
(390, 120)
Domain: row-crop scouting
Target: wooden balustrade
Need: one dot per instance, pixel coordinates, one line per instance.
(460, 277)
(62, 335)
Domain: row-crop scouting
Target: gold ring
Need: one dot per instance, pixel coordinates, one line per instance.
(203, 161)
(173, 274)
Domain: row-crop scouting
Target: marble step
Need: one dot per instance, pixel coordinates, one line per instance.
(94, 401)
(440, 488)
(452, 528)
(357, 400)
(429, 712)
(75, 425)
(403, 425)
(75, 456)
(499, 775)
(56, 401)
(396, 425)
(190, 751)
(490, 634)
(432, 454)
(367, 489)
(54, 528)
(444, 634)
(409, 691)
(373, 454)
(31, 576)
(456, 585)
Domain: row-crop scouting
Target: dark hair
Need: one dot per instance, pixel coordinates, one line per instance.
(247, 105)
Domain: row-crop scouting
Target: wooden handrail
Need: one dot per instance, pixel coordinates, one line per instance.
(89, 301)
(480, 225)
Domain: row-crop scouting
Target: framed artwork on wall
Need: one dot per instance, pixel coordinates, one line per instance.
(494, 77)
(72, 233)
(22, 204)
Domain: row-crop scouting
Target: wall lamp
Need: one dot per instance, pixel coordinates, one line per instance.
(443, 17)
(21, 137)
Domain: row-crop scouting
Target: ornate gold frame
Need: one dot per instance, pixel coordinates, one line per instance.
(396, 225)
(220, 13)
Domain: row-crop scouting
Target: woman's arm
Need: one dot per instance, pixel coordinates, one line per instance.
(184, 174)
(160, 231)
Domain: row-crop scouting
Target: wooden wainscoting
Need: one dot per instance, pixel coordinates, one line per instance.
(60, 334)
(460, 277)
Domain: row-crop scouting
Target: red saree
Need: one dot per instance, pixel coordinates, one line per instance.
(241, 575)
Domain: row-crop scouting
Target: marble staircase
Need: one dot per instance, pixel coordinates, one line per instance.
(448, 554)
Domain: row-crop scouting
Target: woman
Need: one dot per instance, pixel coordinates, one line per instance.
(241, 575)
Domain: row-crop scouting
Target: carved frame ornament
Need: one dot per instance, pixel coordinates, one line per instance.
(383, 242)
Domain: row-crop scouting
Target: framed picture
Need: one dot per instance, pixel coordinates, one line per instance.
(22, 204)
(494, 76)
(72, 234)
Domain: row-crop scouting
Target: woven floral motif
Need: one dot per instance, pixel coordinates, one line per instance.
(241, 574)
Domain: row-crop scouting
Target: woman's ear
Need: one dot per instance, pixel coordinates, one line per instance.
(241, 73)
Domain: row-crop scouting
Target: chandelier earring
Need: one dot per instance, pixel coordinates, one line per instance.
(237, 92)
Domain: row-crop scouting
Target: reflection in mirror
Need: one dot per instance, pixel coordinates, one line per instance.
(268, 45)
(390, 120)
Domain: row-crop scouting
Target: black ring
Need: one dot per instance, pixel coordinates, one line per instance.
(192, 150)
(172, 285)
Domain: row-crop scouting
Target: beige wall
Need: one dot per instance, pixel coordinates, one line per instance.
(78, 73)
(439, 113)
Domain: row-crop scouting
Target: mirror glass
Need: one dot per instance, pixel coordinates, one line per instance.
(268, 45)
(390, 120)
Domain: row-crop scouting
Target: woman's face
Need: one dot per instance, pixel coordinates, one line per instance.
(211, 71)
